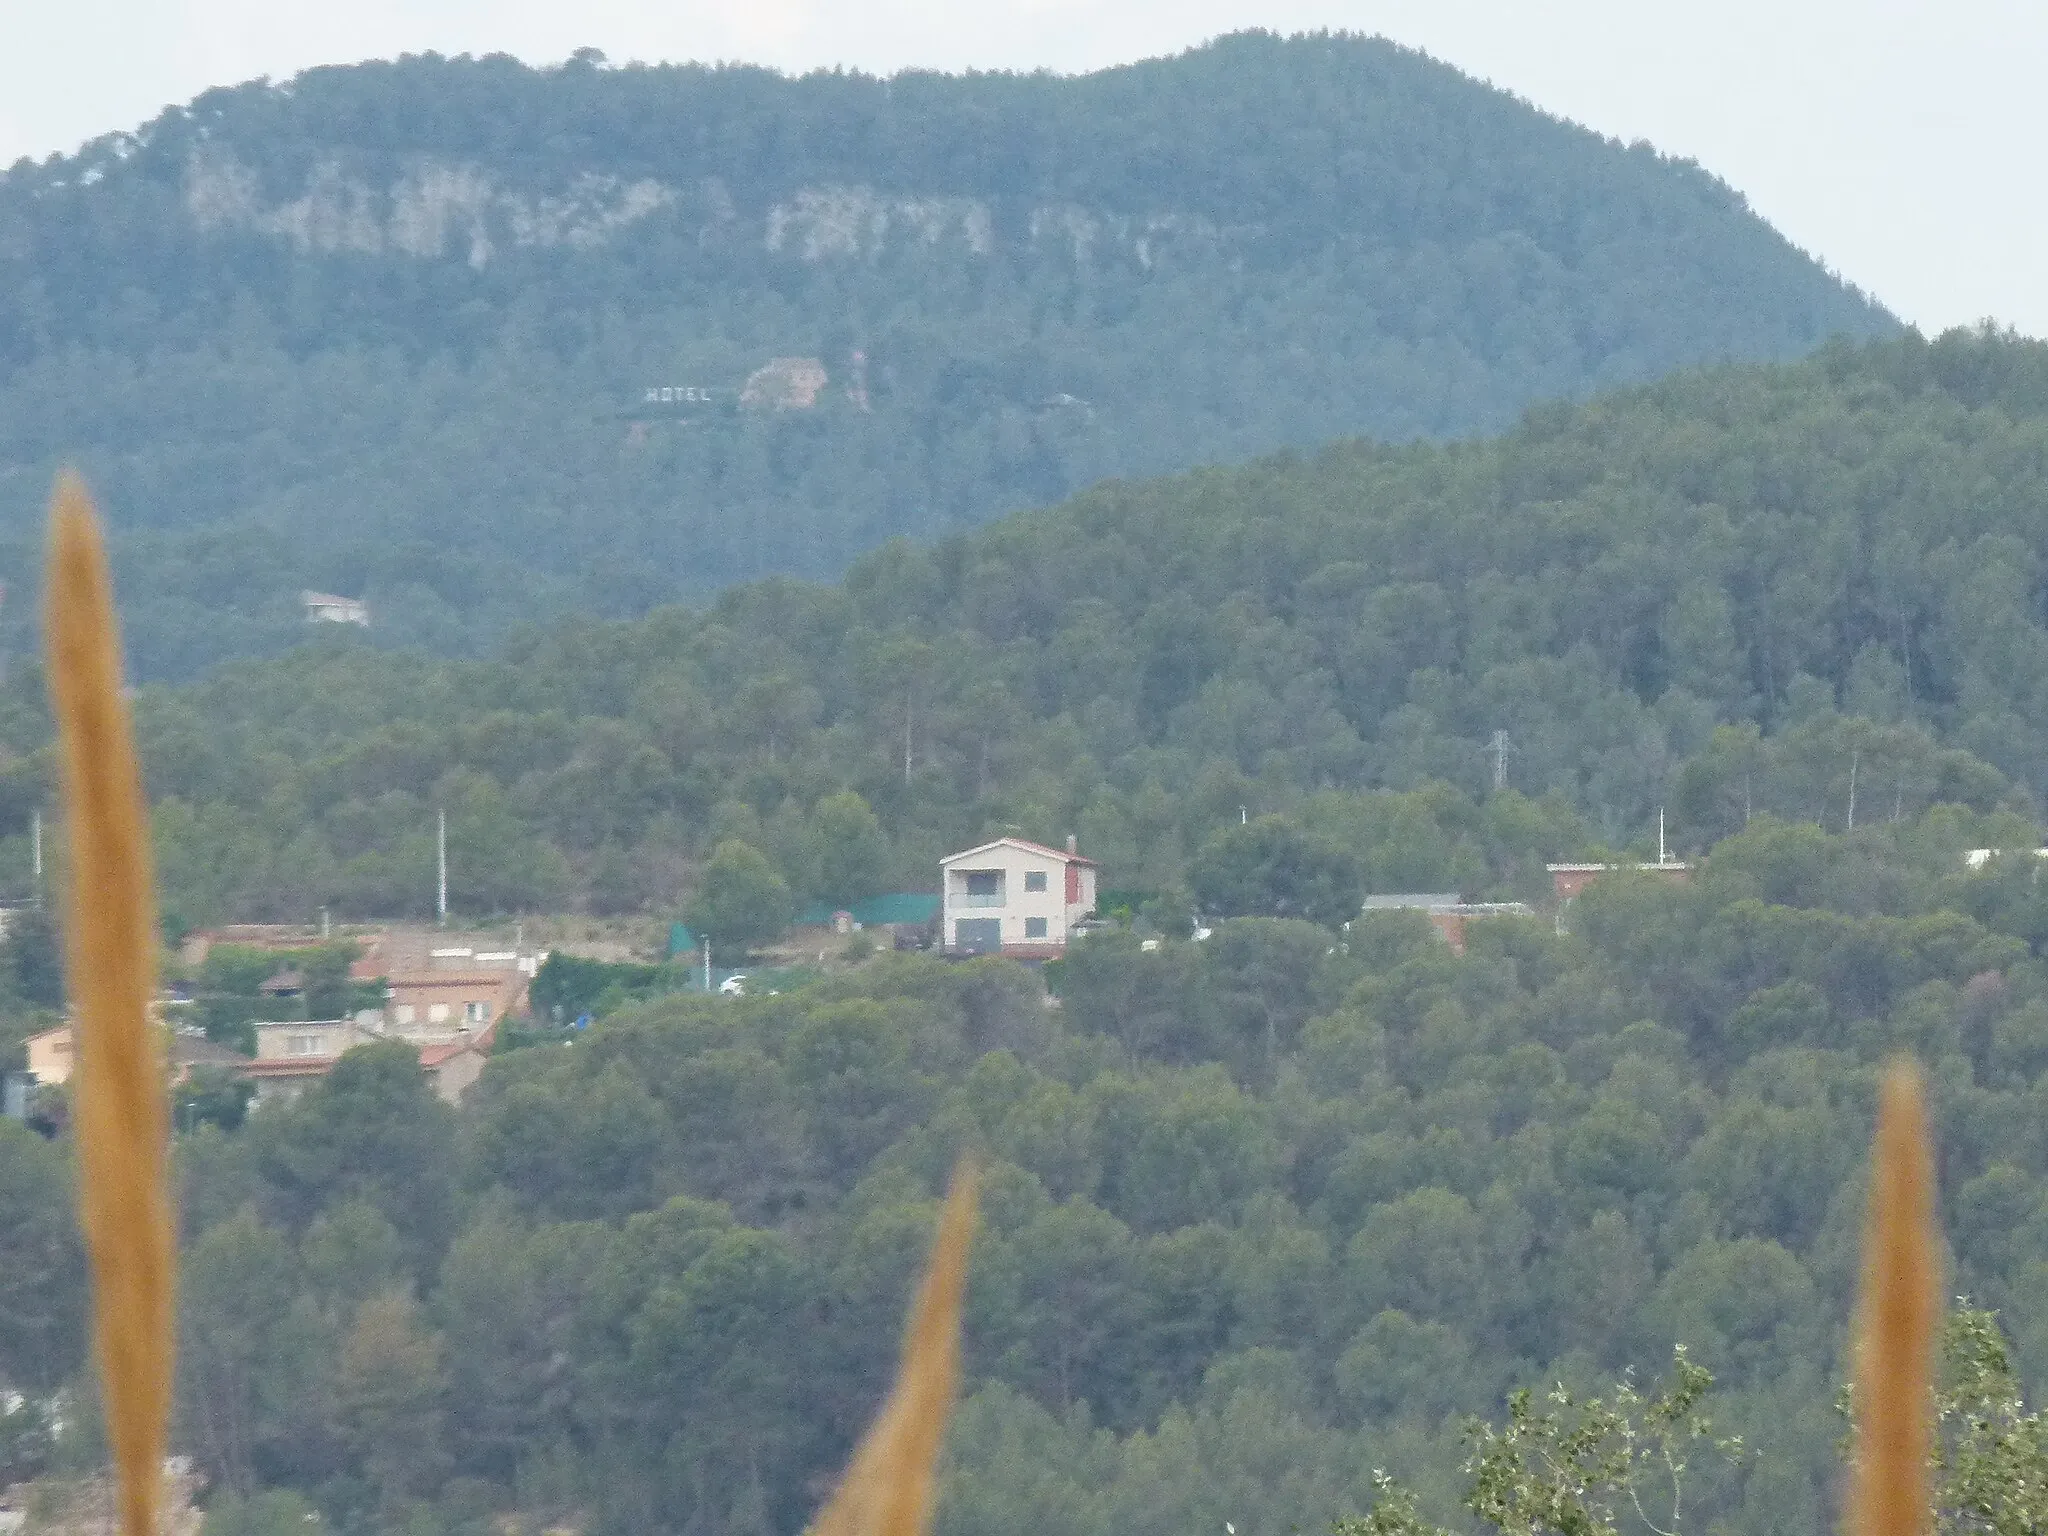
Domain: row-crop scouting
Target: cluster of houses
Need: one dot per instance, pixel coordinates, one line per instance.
(1009, 897)
(445, 999)
(448, 1004)
(1027, 901)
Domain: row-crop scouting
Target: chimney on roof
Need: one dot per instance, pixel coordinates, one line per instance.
(1073, 843)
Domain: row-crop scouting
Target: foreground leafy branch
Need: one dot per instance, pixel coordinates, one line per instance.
(1584, 1468)
(1569, 1466)
(1991, 1454)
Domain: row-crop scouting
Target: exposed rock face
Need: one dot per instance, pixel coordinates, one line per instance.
(439, 209)
(820, 223)
(434, 209)
(784, 384)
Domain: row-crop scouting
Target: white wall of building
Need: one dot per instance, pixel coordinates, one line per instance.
(1021, 887)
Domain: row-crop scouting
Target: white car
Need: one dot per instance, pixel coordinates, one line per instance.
(734, 985)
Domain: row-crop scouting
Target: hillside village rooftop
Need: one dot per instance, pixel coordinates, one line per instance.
(1568, 880)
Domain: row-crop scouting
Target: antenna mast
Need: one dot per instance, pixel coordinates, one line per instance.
(1499, 748)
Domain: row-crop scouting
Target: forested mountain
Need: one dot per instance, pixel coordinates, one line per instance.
(1265, 1211)
(1262, 1214)
(1814, 590)
(391, 330)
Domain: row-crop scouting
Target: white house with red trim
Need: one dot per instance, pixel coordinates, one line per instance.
(1014, 898)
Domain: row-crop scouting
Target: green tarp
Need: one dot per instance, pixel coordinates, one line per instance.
(896, 907)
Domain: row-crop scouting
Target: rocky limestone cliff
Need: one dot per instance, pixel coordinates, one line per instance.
(440, 209)
(434, 209)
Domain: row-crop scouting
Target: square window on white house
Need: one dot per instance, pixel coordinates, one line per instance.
(437, 1013)
(1034, 880)
(1034, 927)
(475, 1013)
(404, 1013)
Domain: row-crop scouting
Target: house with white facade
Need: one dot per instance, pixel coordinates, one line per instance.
(326, 608)
(1015, 898)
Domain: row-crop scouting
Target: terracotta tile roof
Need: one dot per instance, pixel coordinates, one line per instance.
(412, 981)
(290, 1066)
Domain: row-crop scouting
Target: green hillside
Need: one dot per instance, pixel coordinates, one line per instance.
(1266, 1211)
(1263, 1214)
(390, 330)
(1746, 590)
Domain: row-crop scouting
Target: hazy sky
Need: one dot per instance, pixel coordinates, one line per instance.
(1897, 140)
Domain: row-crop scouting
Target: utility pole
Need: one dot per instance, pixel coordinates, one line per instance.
(36, 844)
(1500, 746)
(1855, 760)
(707, 962)
(441, 863)
(1662, 856)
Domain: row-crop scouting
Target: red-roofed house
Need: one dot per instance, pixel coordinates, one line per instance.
(454, 1065)
(291, 1055)
(1015, 898)
(424, 1004)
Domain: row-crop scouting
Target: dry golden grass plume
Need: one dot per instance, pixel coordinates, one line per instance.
(887, 1490)
(1896, 1318)
(119, 1107)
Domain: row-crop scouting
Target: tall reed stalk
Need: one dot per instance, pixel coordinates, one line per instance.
(1896, 1318)
(888, 1487)
(119, 1110)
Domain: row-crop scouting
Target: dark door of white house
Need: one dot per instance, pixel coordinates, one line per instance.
(978, 935)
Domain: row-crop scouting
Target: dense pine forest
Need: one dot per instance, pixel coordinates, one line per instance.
(1263, 1214)
(1811, 590)
(389, 330)
(1268, 1211)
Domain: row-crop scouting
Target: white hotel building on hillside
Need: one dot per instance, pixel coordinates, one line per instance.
(1014, 898)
